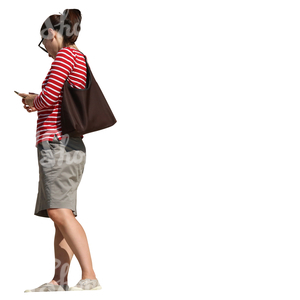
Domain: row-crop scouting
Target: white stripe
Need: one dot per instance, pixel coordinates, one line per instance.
(76, 77)
(58, 71)
(57, 80)
(78, 85)
(63, 63)
(78, 74)
(82, 65)
(49, 98)
(57, 90)
(66, 57)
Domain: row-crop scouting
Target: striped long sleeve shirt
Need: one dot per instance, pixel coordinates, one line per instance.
(69, 64)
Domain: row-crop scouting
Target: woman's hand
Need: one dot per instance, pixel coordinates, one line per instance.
(28, 101)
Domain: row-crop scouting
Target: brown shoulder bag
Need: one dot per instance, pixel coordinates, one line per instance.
(85, 110)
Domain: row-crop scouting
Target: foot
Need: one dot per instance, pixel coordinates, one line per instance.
(49, 287)
(87, 285)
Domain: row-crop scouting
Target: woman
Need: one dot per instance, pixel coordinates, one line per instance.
(61, 158)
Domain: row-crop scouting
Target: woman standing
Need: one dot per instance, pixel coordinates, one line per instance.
(61, 158)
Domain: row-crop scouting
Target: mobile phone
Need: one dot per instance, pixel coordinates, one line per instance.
(16, 92)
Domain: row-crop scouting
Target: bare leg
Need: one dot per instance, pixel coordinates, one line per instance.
(63, 256)
(75, 237)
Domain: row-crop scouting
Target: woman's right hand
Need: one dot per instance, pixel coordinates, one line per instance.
(27, 107)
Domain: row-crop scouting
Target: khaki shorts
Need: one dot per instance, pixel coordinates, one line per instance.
(61, 165)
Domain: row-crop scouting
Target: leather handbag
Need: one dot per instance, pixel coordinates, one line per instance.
(85, 110)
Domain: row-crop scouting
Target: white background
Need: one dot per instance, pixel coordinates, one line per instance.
(194, 193)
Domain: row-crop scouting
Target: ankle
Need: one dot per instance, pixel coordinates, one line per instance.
(88, 275)
(54, 282)
(59, 281)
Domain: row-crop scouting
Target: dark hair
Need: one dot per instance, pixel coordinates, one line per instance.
(67, 24)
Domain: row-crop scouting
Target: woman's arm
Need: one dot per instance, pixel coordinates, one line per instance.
(59, 72)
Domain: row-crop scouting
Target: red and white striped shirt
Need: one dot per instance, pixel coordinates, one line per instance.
(69, 64)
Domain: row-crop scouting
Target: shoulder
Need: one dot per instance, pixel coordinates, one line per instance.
(65, 54)
(69, 58)
(76, 54)
(71, 51)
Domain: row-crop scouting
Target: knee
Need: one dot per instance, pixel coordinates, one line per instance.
(59, 215)
(55, 215)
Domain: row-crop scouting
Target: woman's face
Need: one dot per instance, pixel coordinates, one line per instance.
(49, 47)
(53, 43)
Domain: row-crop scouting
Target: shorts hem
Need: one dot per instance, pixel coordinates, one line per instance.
(43, 212)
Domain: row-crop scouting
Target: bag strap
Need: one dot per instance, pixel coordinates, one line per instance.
(88, 70)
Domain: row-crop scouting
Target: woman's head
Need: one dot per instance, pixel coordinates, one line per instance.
(61, 30)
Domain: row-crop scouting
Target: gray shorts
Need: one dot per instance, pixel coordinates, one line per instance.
(61, 165)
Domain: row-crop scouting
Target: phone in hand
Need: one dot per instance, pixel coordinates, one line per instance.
(16, 92)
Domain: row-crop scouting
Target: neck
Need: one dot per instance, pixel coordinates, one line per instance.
(72, 46)
(63, 45)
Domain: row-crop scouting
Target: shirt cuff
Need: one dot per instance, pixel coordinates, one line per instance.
(35, 100)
